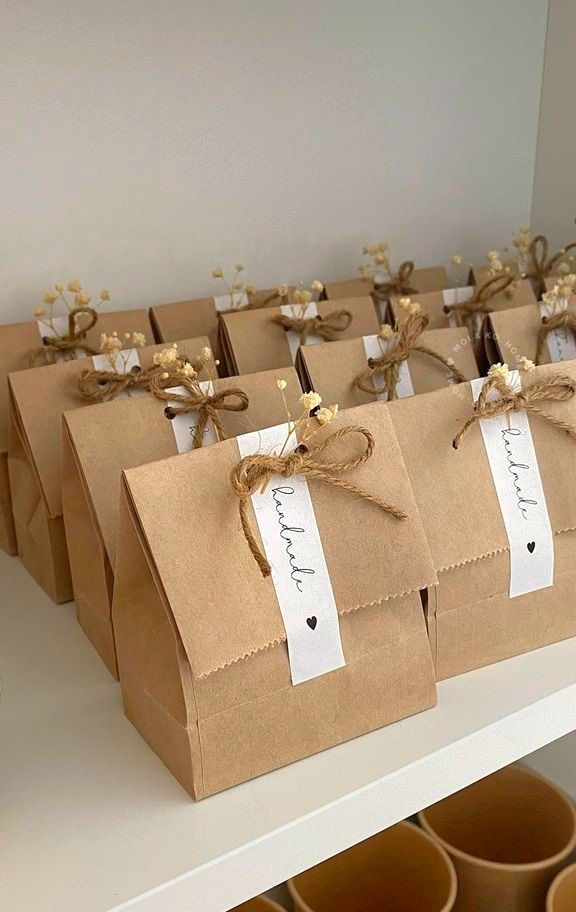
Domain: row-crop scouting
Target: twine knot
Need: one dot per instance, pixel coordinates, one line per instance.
(328, 327)
(465, 312)
(253, 473)
(556, 388)
(540, 264)
(398, 284)
(407, 340)
(106, 385)
(71, 340)
(195, 400)
(566, 319)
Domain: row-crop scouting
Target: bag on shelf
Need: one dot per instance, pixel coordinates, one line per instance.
(38, 397)
(418, 281)
(269, 338)
(21, 345)
(499, 511)
(122, 434)
(207, 675)
(347, 372)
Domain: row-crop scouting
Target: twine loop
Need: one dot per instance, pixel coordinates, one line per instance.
(194, 400)
(253, 473)
(556, 388)
(328, 327)
(566, 319)
(398, 284)
(479, 303)
(539, 263)
(71, 340)
(106, 385)
(387, 366)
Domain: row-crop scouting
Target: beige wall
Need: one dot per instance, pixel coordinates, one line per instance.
(554, 206)
(147, 140)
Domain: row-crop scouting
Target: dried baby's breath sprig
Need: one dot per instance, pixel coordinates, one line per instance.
(57, 296)
(386, 332)
(327, 414)
(305, 424)
(113, 347)
(525, 364)
(556, 300)
(457, 259)
(498, 370)
(238, 292)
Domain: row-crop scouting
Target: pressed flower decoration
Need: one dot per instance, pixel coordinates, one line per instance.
(300, 297)
(57, 303)
(238, 292)
(305, 424)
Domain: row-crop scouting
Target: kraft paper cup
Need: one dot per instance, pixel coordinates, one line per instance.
(562, 893)
(508, 836)
(259, 904)
(401, 870)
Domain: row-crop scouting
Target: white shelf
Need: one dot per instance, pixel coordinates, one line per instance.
(91, 821)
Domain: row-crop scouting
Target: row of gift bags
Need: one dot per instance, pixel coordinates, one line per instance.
(160, 543)
(501, 845)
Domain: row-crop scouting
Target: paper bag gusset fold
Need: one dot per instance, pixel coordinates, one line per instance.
(211, 690)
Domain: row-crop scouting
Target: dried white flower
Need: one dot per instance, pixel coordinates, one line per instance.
(281, 384)
(386, 332)
(405, 303)
(317, 286)
(138, 340)
(310, 401)
(283, 290)
(50, 297)
(326, 415)
(206, 354)
(499, 370)
(110, 344)
(217, 272)
(39, 312)
(525, 363)
(457, 260)
(75, 286)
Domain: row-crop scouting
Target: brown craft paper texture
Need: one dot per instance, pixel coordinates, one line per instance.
(17, 343)
(201, 643)
(253, 342)
(472, 621)
(99, 444)
(38, 397)
(431, 278)
(519, 295)
(187, 319)
(512, 334)
(331, 371)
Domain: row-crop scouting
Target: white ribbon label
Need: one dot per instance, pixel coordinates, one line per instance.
(516, 475)
(561, 341)
(184, 425)
(224, 302)
(374, 347)
(460, 296)
(291, 539)
(56, 328)
(295, 312)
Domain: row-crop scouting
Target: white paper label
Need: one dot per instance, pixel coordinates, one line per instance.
(184, 425)
(460, 296)
(223, 302)
(375, 347)
(295, 311)
(124, 361)
(516, 475)
(58, 327)
(289, 532)
(561, 341)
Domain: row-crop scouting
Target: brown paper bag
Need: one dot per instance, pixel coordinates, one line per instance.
(332, 371)
(99, 443)
(472, 620)
(518, 295)
(513, 334)
(18, 341)
(253, 342)
(200, 317)
(202, 653)
(37, 399)
(430, 278)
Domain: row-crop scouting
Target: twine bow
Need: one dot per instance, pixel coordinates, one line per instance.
(565, 319)
(556, 388)
(72, 340)
(540, 265)
(253, 473)
(328, 327)
(388, 365)
(194, 400)
(105, 385)
(465, 312)
(398, 284)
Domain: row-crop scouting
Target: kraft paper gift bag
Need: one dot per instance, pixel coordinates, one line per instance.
(200, 317)
(362, 370)
(531, 332)
(228, 673)
(38, 397)
(408, 281)
(100, 442)
(269, 338)
(499, 511)
(21, 345)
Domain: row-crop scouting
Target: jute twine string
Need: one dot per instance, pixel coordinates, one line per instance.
(105, 385)
(72, 340)
(253, 473)
(398, 284)
(553, 389)
(388, 365)
(252, 304)
(479, 303)
(564, 320)
(540, 264)
(328, 327)
(194, 400)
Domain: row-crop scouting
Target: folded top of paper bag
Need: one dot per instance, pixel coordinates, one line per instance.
(454, 488)
(430, 278)
(225, 610)
(40, 395)
(18, 342)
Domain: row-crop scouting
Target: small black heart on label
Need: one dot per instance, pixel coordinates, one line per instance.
(531, 546)
(312, 622)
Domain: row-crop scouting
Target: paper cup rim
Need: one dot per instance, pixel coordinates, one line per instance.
(510, 866)
(407, 824)
(560, 877)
